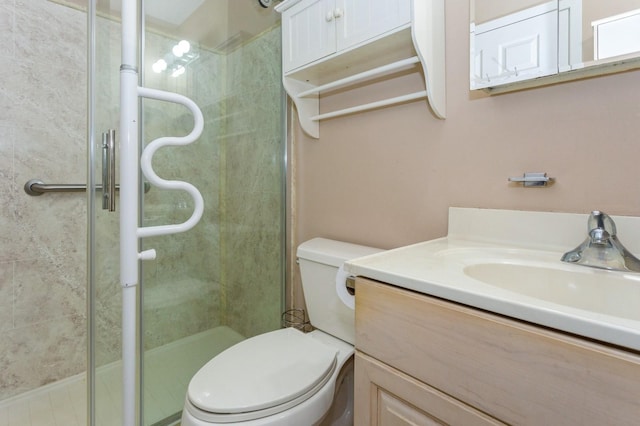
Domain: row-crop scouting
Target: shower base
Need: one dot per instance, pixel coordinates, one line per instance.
(168, 370)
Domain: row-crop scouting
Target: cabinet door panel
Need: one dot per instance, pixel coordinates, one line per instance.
(385, 396)
(364, 19)
(617, 36)
(396, 412)
(308, 33)
(514, 49)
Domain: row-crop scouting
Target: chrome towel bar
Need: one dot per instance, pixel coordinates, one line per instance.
(37, 187)
(533, 179)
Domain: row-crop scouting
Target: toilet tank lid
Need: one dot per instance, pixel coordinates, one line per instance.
(332, 252)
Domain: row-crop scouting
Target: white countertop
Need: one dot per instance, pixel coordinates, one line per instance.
(436, 268)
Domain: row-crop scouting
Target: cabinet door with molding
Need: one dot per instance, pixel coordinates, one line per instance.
(516, 47)
(308, 32)
(361, 20)
(385, 396)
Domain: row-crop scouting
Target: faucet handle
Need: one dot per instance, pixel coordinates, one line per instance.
(601, 220)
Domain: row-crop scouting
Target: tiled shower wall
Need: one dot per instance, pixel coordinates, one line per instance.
(226, 271)
(181, 286)
(42, 239)
(252, 210)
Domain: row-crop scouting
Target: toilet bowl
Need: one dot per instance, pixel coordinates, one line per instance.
(287, 377)
(298, 389)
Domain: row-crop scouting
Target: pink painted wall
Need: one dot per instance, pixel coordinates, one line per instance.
(387, 178)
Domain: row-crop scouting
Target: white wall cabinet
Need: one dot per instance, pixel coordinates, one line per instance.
(308, 33)
(313, 29)
(331, 44)
(517, 47)
(528, 44)
(361, 20)
(616, 35)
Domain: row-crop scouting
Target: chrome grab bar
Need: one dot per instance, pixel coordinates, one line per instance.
(37, 187)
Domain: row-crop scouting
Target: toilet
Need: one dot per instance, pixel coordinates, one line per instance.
(287, 377)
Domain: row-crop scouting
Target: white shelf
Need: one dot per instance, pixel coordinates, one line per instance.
(420, 44)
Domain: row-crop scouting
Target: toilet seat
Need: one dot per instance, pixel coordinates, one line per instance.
(261, 376)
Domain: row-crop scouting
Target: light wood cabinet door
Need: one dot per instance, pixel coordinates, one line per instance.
(393, 411)
(385, 396)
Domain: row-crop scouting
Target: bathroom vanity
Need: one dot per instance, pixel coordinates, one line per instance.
(438, 346)
(427, 359)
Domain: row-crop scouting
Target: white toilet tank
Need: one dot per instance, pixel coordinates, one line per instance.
(319, 260)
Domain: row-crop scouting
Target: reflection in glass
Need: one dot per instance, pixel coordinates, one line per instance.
(525, 39)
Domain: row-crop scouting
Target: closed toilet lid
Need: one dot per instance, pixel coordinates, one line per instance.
(262, 372)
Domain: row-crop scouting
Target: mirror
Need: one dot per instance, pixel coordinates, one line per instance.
(524, 43)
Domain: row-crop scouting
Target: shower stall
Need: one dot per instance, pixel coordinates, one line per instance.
(208, 288)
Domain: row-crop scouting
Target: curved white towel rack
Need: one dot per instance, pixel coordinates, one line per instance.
(154, 179)
(130, 164)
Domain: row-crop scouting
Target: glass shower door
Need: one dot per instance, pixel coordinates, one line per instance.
(222, 281)
(104, 296)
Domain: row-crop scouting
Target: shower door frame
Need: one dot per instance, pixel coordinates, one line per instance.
(91, 203)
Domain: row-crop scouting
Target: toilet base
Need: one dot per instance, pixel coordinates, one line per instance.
(341, 412)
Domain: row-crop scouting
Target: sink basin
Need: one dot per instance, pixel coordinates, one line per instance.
(508, 263)
(599, 291)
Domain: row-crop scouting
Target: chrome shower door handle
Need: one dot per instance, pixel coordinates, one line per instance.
(105, 173)
(109, 170)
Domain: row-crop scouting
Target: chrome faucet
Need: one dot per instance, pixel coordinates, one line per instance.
(602, 249)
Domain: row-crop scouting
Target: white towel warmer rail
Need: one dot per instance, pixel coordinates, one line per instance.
(130, 164)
